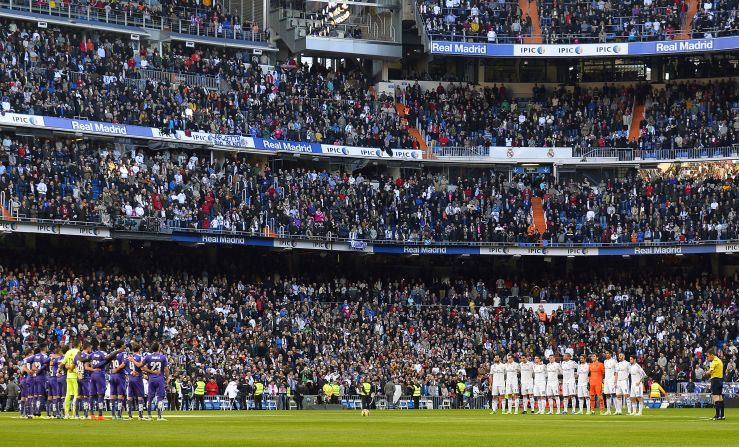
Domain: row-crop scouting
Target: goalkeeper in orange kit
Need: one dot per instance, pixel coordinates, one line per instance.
(597, 371)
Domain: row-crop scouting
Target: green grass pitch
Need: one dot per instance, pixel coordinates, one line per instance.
(672, 427)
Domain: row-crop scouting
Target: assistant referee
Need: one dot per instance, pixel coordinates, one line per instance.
(716, 373)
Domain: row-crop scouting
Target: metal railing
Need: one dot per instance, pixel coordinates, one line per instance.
(145, 20)
(461, 151)
(370, 28)
(629, 154)
(157, 225)
(189, 79)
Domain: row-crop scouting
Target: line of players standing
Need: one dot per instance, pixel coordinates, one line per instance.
(70, 382)
(581, 383)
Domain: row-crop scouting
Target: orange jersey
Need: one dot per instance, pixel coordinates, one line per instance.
(597, 370)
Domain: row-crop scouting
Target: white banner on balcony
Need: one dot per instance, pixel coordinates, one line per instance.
(532, 154)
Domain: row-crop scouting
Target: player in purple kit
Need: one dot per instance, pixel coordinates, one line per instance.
(57, 382)
(40, 375)
(26, 385)
(118, 371)
(135, 381)
(98, 361)
(84, 371)
(157, 366)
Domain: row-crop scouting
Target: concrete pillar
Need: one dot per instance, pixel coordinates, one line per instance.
(379, 70)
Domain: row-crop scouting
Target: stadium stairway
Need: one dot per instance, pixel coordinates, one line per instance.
(415, 133)
(530, 7)
(687, 27)
(540, 222)
(635, 126)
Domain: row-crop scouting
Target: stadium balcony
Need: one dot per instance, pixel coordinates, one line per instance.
(359, 29)
(180, 24)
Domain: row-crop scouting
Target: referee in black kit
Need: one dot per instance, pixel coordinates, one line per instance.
(716, 373)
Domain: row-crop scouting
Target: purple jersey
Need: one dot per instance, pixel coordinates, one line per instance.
(41, 363)
(120, 359)
(79, 364)
(156, 362)
(28, 363)
(134, 370)
(97, 360)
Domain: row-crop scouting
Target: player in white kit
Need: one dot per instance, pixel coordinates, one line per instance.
(609, 381)
(540, 383)
(622, 384)
(553, 371)
(497, 383)
(583, 394)
(637, 387)
(527, 383)
(568, 382)
(511, 384)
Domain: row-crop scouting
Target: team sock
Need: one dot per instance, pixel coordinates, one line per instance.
(619, 404)
(559, 403)
(525, 401)
(609, 402)
(721, 408)
(141, 409)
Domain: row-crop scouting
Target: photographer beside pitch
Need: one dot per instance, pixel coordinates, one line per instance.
(716, 373)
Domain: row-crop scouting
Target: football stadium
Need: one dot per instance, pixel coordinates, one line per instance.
(369, 222)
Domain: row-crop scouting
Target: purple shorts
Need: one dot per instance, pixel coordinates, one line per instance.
(157, 388)
(61, 386)
(135, 387)
(83, 387)
(117, 385)
(39, 385)
(27, 387)
(98, 385)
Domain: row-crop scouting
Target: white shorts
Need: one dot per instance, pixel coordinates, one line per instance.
(637, 390)
(582, 390)
(552, 388)
(511, 388)
(622, 388)
(527, 388)
(498, 390)
(540, 390)
(568, 388)
(609, 387)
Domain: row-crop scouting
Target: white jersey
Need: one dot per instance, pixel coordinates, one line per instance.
(622, 371)
(511, 372)
(553, 372)
(582, 374)
(498, 372)
(610, 365)
(540, 374)
(527, 372)
(568, 371)
(637, 374)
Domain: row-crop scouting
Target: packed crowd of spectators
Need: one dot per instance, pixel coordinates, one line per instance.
(691, 115)
(495, 22)
(575, 22)
(95, 76)
(288, 332)
(99, 76)
(570, 21)
(463, 115)
(202, 18)
(153, 191)
(716, 19)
